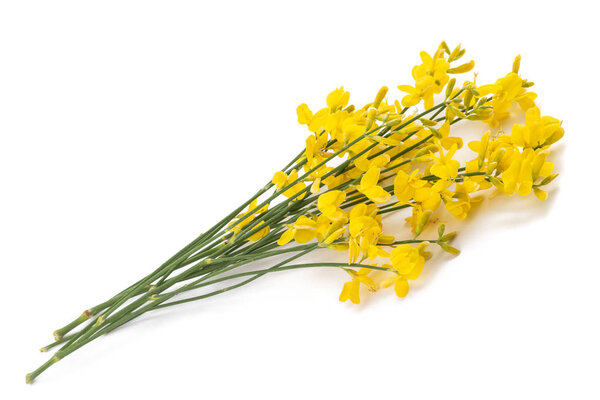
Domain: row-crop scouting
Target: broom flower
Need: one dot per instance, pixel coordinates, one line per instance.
(358, 166)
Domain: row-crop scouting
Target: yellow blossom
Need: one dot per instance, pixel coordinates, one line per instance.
(319, 120)
(368, 186)
(302, 231)
(328, 203)
(446, 140)
(331, 230)
(365, 232)
(406, 185)
(304, 114)
(428, 196)
(459, 202)
(333, 180)
(524, 170)
(492, 154)
(407, 263)
(370, 159)
(252, 212)
(352, 128)
(430, 78)
(260, 233)
(537, 131)
(338, 99)
(351, 289)
(315, 146)
(506, 91)
(281, 180)
(445, 167)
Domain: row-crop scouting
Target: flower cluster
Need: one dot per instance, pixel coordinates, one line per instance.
(358, 165)
(395, 157)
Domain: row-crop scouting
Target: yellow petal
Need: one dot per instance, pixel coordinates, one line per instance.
(354, 287)
(388, 281)
(378, 195)
(345, 295)
(540, 194)
(304, 114)
(286, 237)
(401, 287)
(370, 178)
(279, 179)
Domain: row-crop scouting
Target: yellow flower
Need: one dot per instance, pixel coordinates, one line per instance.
(428, 196)
(331, 230)
(369, 159)
(481, 148)
(252, 211)
(537, 131)
(400, 283)
(407, 263)
(406, 185)
(365, 233)
(259, 234)
(333, 181)
(525, 168)
(368, 186)
(328, 203)
(304, 114)
(446, 140)
(351, 289)
(351, 129)
(338, 99)
(430, 78)
(492, 155)
(318, 121)
(445, 168)
(281, 180)
(303, 230)
(506, 91)
(459, 202)
(335, 123)
(315, 146)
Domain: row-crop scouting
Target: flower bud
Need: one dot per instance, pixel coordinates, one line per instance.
(456, 111)
(456, 54)
(393, 122)
(448, 237)
(338, 246)
(548, 179)
(386, 240)
(540, 194)
(422, 221)
(444, 46)
(516, 64)
(427, 122)
(435, 132)
(496, 182)
(450, 87)
(380, 95)
(449, 249)
(432, 148)
(527, 84)
(468, 98)
(370, 118)
(461, 69)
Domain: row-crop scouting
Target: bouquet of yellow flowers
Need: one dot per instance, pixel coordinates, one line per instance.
(358, 164)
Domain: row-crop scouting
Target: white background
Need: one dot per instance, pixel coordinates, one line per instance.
(129, 127)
